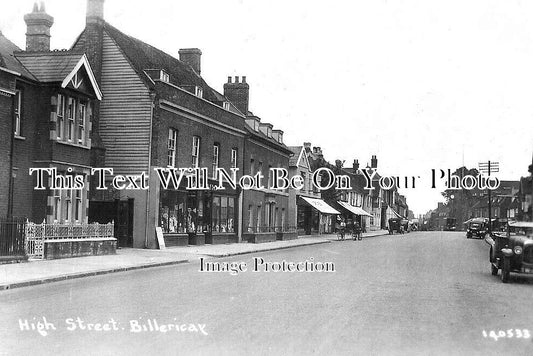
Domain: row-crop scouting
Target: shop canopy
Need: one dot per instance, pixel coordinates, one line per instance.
(353, 209)
(397, 215)
(320, 205)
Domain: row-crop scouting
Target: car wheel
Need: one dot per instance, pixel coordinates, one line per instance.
(506, 269)
(468, 236)
(493, 269)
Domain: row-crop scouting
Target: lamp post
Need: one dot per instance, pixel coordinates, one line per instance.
(488, 167)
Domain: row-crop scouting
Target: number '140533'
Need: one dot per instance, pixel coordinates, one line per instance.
(509, 334)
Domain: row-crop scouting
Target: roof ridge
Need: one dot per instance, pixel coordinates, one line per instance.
(189, 69)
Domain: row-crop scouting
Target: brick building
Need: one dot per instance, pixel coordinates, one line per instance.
(158, 112)
(47, 98)
(264, 211)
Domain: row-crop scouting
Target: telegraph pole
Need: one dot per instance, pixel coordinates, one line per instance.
(488, 167)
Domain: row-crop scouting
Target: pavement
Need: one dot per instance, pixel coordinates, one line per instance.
(35, 272)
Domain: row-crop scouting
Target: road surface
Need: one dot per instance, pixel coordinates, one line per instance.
(423, 293)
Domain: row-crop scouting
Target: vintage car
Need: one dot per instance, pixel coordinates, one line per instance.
(512, 251)
(476, 227)
(398, 225)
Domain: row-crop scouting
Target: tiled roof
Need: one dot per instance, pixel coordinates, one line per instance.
(293, 160)
(49, 66)
(143, 56)
(265, 138)
(8, 60)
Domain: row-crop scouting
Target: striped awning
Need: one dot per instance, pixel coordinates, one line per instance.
(320, 205)
(353, 209)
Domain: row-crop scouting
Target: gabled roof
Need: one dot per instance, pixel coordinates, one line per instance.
(58, 66)
(8, 60)
(298, 154)
(143, 56)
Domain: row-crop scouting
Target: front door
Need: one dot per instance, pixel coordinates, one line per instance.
(118, 211)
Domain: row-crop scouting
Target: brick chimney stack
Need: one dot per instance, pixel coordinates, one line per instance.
(374, 162)
(238, 93)
(38, 24)
(95, 11)
(355, 165)
(192, 57)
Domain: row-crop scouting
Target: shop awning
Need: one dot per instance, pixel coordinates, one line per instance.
(320, 205)
(354, 209)
(397, 215)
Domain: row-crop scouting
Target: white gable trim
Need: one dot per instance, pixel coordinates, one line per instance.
(3, 69)
(302, 154)
(83, 62)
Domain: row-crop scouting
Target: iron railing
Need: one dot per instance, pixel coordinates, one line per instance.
(12, 237)
(70, 231)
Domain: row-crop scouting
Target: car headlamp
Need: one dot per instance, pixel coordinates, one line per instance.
(517, 250)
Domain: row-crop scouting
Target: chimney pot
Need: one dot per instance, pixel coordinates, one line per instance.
(238, 93)
(38, 24)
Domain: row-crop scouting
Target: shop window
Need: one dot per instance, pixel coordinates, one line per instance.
(223, 214)
(174, 214)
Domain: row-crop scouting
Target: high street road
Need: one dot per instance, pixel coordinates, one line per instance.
(427, 293)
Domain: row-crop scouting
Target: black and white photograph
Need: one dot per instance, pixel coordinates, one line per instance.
(252, 177)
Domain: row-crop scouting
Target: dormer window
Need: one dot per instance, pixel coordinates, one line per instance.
(163, 76)
(198, 92)
(226, 105)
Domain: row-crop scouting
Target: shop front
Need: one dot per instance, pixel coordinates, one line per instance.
(355, 215)
(195, 217)
(315, 216)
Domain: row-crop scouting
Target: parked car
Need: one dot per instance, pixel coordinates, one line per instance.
(512, 251)
(476, 227)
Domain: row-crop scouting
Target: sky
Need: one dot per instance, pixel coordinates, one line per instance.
(421, 84)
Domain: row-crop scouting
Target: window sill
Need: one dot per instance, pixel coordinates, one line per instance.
(22, 138)
(73, 144)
